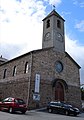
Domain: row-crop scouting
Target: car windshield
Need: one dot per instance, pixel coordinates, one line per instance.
(56, 103)
(61, 104)
(67, 105)
(5, 100)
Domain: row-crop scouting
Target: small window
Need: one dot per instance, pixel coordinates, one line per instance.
(5, 73)
(58, 23)
(14, 71)
(48, 24)
(26, 68)
(10, 100)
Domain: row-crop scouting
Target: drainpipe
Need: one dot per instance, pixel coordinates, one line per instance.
(30, 67)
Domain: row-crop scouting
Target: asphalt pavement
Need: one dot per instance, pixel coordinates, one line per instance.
(40, 114)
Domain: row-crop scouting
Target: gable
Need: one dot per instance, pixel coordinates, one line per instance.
(72, 60)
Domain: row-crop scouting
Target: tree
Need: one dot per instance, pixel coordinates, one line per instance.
(82, 93)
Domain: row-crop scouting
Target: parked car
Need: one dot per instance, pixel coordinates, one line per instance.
(63, 108)
(83, 106)
(13, 104)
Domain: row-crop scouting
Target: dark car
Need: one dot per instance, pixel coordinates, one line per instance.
(63, 108)
(83, 106)
(13, 104)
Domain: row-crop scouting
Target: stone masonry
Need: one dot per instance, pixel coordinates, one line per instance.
(42, 62)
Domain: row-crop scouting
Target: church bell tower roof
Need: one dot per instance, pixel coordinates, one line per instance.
(53, 13)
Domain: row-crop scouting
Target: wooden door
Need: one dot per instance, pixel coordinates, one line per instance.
(59, 92)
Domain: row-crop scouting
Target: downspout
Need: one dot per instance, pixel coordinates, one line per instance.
(29, 81)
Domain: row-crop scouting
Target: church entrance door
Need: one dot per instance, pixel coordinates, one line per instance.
(59, 92)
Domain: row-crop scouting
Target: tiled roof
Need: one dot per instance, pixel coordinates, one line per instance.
(53, 13)
(35, 51)
(3, 59)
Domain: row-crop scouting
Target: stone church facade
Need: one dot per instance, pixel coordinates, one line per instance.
(47, 74)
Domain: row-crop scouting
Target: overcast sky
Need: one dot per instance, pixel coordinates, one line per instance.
(21, 27)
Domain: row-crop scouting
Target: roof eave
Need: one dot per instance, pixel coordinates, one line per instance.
(73, 60)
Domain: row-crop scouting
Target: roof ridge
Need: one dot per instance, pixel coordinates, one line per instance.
(53, 12)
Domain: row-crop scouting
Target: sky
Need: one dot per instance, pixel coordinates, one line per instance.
(21, 27)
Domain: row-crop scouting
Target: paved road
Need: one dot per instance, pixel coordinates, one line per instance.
(38, 115)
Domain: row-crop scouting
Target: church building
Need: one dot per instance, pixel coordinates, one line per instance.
(47, 74)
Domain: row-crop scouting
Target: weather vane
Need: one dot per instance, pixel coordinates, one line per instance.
(53, 7)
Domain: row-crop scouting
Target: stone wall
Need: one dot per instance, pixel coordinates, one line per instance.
(44, 64)
(74, 96)
(41, 62)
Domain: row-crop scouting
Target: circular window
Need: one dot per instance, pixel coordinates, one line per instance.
(59, 66)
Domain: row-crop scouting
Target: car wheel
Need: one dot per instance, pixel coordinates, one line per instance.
(49, 110)
(23, 112)
(75, 114)
(1, 109)
(11, 110)
(66, 112)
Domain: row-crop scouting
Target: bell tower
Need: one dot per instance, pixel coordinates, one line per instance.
(53, 32)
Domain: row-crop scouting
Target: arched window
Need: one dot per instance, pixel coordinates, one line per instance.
(48, 23)
(58, 23)
(14, 71)
(26, 67)
(5, 73)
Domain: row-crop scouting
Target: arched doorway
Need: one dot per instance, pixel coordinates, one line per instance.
(59, 92)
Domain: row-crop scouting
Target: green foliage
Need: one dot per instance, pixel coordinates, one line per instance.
(82, 93)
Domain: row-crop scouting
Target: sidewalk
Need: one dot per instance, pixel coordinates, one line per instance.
(39, 109)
